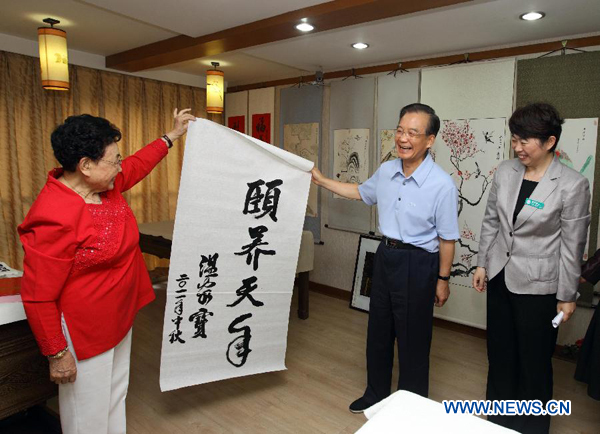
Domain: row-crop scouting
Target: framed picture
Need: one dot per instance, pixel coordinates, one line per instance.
(237, 123)
(363, 272)
(261, 127)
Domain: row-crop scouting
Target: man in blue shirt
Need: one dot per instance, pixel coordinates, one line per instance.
(418, 215)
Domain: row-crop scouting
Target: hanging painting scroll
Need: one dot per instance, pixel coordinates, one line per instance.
(388, 146)
(303, 140)
(470, 150)
(350, 156)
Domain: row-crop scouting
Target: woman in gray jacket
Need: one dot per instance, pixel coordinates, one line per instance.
(531, 247)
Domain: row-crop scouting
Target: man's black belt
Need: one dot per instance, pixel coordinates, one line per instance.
(397, 244)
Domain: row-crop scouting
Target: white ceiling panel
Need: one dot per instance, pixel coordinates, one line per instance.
(88, 28)
(196, 18)
(458, 29)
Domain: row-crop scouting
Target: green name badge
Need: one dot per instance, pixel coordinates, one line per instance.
(534, 203)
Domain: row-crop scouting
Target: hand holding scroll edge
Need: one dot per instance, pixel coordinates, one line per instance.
(317, 176)
(346, 189)
(181, 121)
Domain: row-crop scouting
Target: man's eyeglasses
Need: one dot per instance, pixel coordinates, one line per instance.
(117, 163)
(410, 134)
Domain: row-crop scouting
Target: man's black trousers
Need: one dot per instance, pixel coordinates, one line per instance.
(401, 308)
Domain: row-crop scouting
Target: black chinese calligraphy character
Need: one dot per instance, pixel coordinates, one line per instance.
(260, 126)
(207, 284)
(239, 348)
(248, 285)
(179, 305)
(256, 234)
(208, 265)
(200, 319)
(175, 335)
(181, 282)
(204, 297)
(270, 200)
(254, 197)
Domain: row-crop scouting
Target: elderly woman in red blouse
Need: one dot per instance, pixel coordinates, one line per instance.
(84, 276)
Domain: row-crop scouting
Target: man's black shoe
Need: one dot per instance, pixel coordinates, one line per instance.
(359, 405)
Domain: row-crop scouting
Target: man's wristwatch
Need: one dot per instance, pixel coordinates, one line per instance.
(446, 278)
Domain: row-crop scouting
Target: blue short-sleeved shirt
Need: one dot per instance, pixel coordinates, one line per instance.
(418, 209)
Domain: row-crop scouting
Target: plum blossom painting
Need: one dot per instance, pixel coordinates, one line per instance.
(470, 150)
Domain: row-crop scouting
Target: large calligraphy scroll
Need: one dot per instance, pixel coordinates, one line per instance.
(235, 247)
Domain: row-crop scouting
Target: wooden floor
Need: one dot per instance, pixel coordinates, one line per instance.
(326, 371)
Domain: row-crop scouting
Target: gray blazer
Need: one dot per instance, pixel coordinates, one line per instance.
(542, 253)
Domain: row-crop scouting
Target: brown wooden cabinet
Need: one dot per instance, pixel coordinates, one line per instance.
(24, 375)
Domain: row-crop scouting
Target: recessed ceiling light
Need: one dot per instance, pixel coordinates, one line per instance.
(532, 16)
(304, 27)
(360, 45)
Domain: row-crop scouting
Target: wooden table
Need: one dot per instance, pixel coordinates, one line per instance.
(156, 238)
(24, 375)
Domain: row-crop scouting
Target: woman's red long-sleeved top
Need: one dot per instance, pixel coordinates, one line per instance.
(84, 261)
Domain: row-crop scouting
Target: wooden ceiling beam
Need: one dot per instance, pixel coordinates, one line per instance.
(326, 16)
